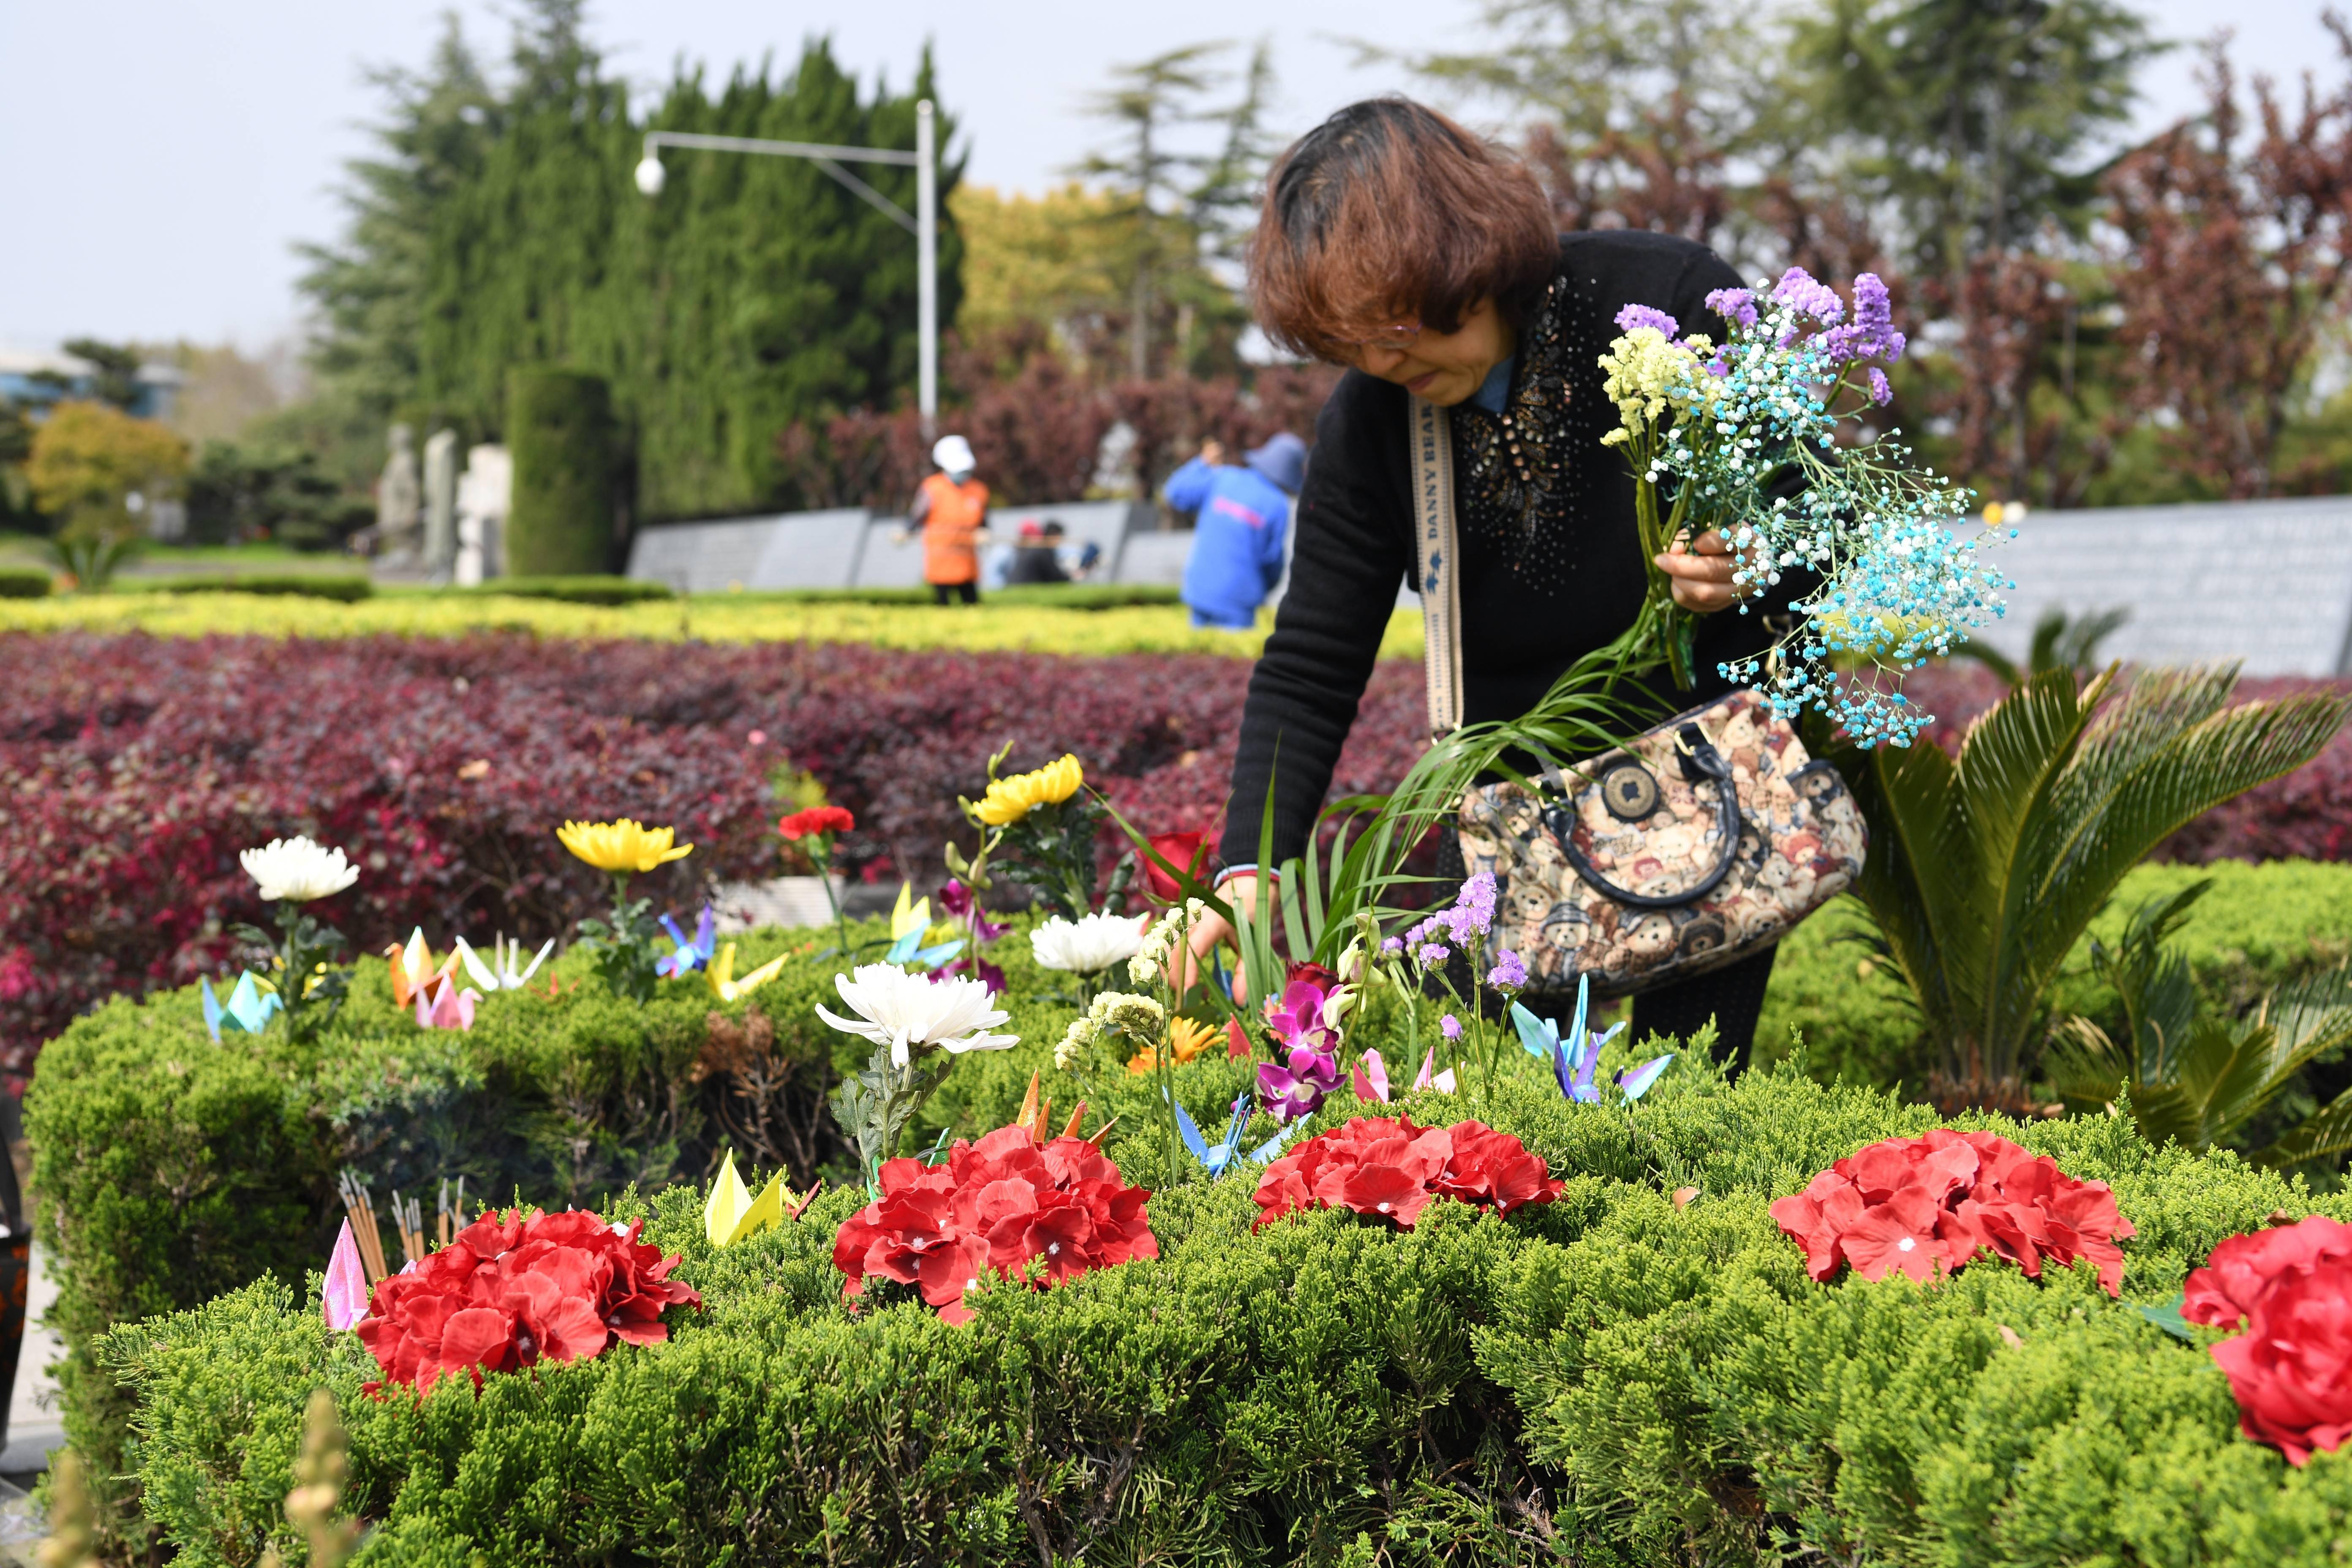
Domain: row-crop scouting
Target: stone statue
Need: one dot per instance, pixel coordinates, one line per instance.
(441, 504)
(397, 498)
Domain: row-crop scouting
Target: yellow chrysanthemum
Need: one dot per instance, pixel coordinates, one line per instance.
(1010, 800)
(623, 847)
(1186, 1039)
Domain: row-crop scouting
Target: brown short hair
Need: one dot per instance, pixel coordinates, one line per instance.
(1387, 210)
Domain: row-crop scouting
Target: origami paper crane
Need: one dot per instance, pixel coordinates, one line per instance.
(1219, 1157)
(444, 1006)
(720, 975)
(1442, 1082)
(690, 955)
(732, 1213)
(500, 974)
(909, 923)
(249, 1006)
(1576, 1057)
(412, 967)
(1372, 1076)
(344, 1301)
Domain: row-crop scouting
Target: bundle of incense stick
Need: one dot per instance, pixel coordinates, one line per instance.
(450, 1216)
(361, 1213)
(410, 1218)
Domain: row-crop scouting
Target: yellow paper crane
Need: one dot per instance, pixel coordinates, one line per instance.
(722, 975)
(733, 1213)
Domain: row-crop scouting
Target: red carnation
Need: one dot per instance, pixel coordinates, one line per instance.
(1926, 1206)
(1001, 1204)
(817, 820)
(1392, 1169)
(511, 1292)
(2291, 1371)
(1189, 850)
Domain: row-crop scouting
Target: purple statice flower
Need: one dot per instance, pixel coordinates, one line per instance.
(1737, 306)
(1871, 334)
(1429, 955)
(1474, 909)
(1297, 1090)
(1801, 291)
(1450, 1026)
(1394, 944)
(1633, 316)
(1510, 972)
(1881, 393)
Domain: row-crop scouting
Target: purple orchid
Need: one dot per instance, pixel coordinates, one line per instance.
(957, 902)
(1297, 1090)
(1302, 1017)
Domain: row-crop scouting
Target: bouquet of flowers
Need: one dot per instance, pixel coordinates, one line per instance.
(1745, 436)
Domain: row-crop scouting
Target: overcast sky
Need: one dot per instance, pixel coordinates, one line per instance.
(163, 158)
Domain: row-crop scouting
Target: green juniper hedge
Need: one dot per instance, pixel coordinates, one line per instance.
(1615, 1378)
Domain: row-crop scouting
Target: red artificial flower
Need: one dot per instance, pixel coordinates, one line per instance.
(1001, 1204)
(1392, 1169)
(816, 820)
(1190, 850)
(513, 1290)
(2291, 1371)
(1924, 1207)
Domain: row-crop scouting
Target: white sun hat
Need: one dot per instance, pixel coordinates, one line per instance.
(953, 453)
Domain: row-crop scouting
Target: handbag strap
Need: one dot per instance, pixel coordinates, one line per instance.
(1434, 575)
(1700, 762)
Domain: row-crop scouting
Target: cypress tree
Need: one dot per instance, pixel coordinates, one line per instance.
(559, 430)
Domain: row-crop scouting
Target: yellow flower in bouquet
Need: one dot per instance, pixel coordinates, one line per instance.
(1186, 1039)
(1010, 800)
(621, 847)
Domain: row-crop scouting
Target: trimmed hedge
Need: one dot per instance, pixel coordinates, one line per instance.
(588, 590)
(346, 590)
(1611, 1379)
(24, 583)
(1054, 595)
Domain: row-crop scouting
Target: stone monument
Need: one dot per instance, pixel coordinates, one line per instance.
(397, 501)
(483, 490)
(441, 505)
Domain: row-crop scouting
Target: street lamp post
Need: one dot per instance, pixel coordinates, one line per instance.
(924, 225)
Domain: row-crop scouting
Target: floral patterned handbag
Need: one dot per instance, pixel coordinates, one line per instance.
(1695, 846)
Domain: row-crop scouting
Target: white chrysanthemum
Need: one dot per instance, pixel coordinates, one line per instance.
(298, 871)
(913, 1011)
(1087, 945)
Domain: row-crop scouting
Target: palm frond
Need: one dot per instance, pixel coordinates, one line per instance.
(2324, 1135)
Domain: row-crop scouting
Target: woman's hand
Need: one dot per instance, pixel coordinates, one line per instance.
(1702, 573)
(1212, 931)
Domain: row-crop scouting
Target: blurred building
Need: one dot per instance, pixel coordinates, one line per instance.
(34, 379)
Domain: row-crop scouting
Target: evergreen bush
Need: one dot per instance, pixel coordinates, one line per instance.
(560, 427)
(1631, 1374)
(24, 583)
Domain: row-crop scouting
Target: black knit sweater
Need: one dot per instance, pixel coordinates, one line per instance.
(1551, 562)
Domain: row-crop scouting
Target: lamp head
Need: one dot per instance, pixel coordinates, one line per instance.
(649, 175)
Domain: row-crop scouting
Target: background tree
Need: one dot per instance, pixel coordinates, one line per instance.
(2235, 261)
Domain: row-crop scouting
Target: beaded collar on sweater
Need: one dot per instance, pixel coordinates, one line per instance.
(1523, 471)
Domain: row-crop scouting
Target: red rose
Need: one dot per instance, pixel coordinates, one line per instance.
(1926, 1206)
(1189, 851)
(817, 819)
(511, 1292)
(1392, 1169)
(2291, 1370)
(1001, 1204)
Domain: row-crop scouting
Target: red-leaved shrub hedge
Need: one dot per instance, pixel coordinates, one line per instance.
(133, 769)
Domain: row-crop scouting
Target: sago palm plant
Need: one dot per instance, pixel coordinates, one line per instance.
(1985, 868)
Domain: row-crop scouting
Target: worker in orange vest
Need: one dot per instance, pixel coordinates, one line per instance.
(952, 509)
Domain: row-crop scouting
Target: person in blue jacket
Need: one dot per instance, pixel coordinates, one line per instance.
(1242, 517)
